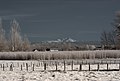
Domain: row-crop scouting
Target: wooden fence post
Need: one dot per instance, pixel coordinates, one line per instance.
(33, 67)
(89, 66)
(56, 65)
(44, 66)
(21, 67)
(72, 66)
(11, 67)
(27, 66)
(107, 66)
(3, 67)
(80, 68)
(119, 66)
(98, 67)
(64, 66)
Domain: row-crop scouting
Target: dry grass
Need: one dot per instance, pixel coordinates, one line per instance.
(60, 55)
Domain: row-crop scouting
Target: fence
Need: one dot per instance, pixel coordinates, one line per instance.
(61, 65)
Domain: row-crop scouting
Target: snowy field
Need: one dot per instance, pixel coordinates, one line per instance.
(68, 75)
(60, 76)
(57, 55)
(39, 74)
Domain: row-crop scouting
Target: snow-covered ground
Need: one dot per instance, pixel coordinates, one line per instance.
(40, 75)
(60, 76)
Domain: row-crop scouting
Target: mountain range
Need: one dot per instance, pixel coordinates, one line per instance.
(62, 40)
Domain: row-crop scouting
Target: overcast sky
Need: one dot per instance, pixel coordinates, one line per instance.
(53, 19)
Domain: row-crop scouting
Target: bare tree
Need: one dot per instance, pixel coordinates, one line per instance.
(111, 38)
(108, 39)
(16, 39)
(3, 40)
(104, 38)
(26, 44)
(116, 25)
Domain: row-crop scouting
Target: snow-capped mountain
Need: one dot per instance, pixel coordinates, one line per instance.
(63, 40)
(68, 40)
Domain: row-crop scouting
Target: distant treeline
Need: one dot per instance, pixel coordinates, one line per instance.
(63, 46)
(60, 55)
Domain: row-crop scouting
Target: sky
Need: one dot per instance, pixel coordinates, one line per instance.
(43, 20)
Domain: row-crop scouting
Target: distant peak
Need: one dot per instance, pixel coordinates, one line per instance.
(63, 40)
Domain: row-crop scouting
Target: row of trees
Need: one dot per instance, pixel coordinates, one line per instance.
(112, 38)
(14, 42)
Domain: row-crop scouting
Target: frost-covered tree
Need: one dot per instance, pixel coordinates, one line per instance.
(26, 43)
(116, 25)
(15, 37)
(112, 38)
(104, 38)
(108, 38)
(3, 41)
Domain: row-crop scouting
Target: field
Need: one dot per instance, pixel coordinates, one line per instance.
(59, 55)
(30, 66)
(59, 76)
(39, 74)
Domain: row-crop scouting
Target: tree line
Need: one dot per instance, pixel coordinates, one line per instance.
(14, 42)
(112, 38)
